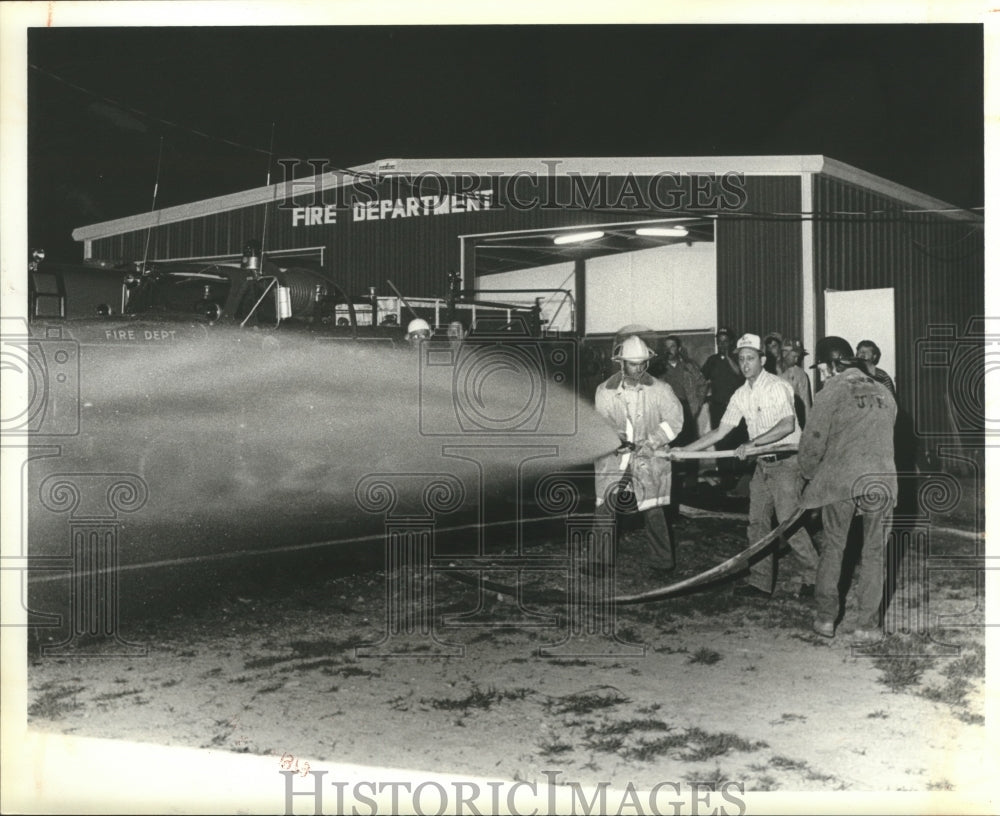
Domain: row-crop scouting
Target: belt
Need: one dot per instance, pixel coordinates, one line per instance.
(776, 457)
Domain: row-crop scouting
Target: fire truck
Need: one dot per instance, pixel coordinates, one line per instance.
(165, 301)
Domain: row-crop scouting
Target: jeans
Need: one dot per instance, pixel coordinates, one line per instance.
(775, 487)
(870, 574)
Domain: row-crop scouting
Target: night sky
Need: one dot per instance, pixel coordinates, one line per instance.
(902, 101)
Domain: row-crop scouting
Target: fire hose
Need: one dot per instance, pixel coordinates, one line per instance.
(737, 562)
(733, 564)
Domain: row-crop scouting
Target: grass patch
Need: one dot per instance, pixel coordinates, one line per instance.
(584, 702)
(951, 693)
(629, 634)
(628, 726)
(646, 750)
(971, 664)
(266, 662)
(323, 648)
(699, 746)
(715, 782)
(705, 656)
(554, 748)
(116, 695)
(939, 785)
(477, 698)
(899, 673)
(56, 703)
(787, 763)
(606, 744)
(708, 745)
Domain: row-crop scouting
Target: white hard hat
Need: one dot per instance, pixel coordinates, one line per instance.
(633, 350)
(417, 325)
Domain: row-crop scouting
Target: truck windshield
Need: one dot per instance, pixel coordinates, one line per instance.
(184, 292)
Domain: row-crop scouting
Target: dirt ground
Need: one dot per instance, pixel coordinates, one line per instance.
(700, 688)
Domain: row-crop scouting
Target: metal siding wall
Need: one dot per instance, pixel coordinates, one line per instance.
(760, 260)
(936, 266)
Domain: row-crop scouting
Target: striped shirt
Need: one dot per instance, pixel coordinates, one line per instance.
(769, 401)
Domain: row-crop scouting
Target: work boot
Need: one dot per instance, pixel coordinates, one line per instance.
(823, 627)
(866, 636)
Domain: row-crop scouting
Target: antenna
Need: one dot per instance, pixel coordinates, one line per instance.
(152, 208)
(263, 232)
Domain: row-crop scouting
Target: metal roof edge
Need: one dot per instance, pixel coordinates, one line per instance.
(208, 206)
(639, 165)
(855, 175)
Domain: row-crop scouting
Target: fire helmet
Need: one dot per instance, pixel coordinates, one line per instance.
(633, 350)
(418, 325)
(832, 349)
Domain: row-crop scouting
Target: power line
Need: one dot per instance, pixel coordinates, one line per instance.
(119, 104)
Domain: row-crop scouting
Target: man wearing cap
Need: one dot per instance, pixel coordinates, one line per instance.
(724, 377)
(790, 369)
(647, 416)
(767, 404)
(846, 453)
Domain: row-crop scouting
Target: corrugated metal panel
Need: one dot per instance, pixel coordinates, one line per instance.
(936, 267)
(760, 260)
(417, 253)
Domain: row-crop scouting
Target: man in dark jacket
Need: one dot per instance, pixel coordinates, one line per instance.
(846, 454)
(724, 377)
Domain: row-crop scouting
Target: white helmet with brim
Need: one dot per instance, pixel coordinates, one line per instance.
(633, 350)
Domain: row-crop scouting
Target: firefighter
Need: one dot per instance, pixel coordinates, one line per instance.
(418, 329)
(647, 416)
(846, 454)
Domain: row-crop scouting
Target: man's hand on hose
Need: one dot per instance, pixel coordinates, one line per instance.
(625, 447)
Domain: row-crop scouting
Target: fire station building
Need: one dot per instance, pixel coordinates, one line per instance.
(800, 245)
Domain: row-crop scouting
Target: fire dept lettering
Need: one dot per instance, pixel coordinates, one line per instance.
(139, 335)
(386, 209)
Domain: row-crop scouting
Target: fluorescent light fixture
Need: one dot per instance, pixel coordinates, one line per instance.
(578, 237)
(663, 232)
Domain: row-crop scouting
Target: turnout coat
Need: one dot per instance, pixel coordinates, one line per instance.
(654, 421)
(846, 449)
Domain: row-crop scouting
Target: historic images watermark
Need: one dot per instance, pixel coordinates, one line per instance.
(41, 408)
(519, 798)
(317, 192)
(41, 373)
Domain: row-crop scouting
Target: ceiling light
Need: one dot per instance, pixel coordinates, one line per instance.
(663, 232)
(577, 237)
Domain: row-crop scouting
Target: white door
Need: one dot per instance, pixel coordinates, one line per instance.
(864, 314)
